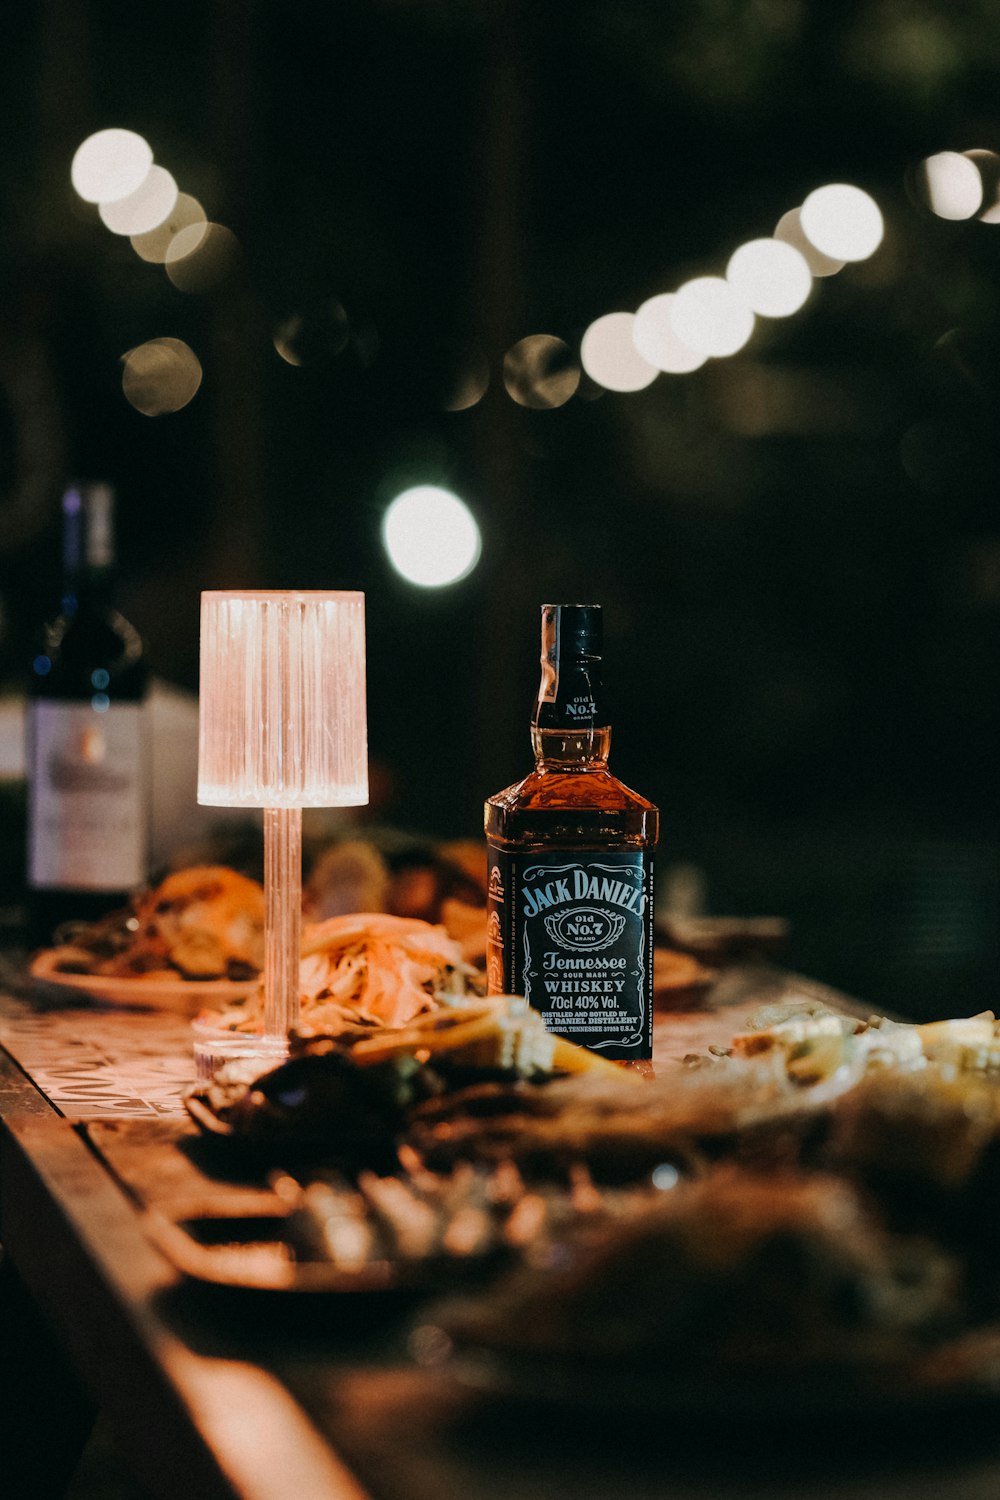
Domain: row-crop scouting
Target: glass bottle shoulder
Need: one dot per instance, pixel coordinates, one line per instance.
(571, 808)
(91, 649)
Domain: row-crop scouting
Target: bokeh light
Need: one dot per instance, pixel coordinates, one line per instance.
(469, 379)
(151, 203)
(789, 230)
(949, 184)
(431, 537)
(201, 256)
(160, 376)
(987, 164)
(772, 277)
(539, 371)
(154, 245)
(842, 221)
(711, 316)
(286, 339)
(110, 165)
(655, 339)
(610, 357)
(314, 336)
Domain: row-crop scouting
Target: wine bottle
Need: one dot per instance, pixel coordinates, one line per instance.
(87, 783)
(570, 873)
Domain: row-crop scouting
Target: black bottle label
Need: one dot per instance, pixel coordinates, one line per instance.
(573, 933)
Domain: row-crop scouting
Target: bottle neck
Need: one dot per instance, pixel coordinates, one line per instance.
(88, 546)
(569, 727)
(571, 749)
(86, 588)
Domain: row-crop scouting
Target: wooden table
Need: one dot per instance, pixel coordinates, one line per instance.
(214, 1394)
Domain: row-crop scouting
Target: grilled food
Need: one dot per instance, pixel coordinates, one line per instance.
(204, 922)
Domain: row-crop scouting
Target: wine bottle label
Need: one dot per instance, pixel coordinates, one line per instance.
(573, 933)
(87, 817)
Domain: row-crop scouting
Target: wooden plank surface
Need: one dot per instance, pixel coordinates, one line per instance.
(212, 1397)
(206, 1427)
(96, 1062)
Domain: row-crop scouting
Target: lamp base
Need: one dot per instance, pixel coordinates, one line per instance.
(215, 1048)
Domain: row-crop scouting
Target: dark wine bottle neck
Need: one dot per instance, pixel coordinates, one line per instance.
(89, 588)
(88, 538)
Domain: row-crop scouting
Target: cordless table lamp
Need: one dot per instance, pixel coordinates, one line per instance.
(282, 726)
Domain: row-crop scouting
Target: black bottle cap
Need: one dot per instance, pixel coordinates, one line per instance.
(571, 630)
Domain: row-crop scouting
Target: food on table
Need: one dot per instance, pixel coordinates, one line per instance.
(964, 1044)
(204, 922)
(365, 970)
(621, 1131)
(466, 924)
(677, 977)
(501, 1034)
(718, 940)
(470, 1216)
(443, 884)
(310, 1100)
(874, 1099)
(463, 902)
(927, 1143)
(356, 1090)
(378, 968)
(814, 1039)
(350, 876)
(736, 1274)
(446, 884)
(815, 1089)
(807, 1210)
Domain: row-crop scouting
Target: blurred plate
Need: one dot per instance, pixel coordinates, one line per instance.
(184, 996)
(252, 1253)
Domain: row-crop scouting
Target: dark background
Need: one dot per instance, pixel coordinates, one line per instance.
(797, 549)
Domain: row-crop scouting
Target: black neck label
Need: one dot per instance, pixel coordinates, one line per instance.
(572, 932)
(570, 696)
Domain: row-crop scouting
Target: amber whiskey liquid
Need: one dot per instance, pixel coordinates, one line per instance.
(570, 880)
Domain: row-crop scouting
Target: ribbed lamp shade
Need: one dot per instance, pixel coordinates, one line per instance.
(282, 726)
(282, 700)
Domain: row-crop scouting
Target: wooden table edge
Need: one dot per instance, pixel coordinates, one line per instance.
(209, 1429)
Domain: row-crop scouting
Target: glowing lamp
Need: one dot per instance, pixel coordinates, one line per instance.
(282, 726)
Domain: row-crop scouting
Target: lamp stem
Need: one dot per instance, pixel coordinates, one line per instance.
(282, 919)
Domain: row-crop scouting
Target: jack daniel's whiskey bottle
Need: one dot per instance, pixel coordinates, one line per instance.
(570, 893)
